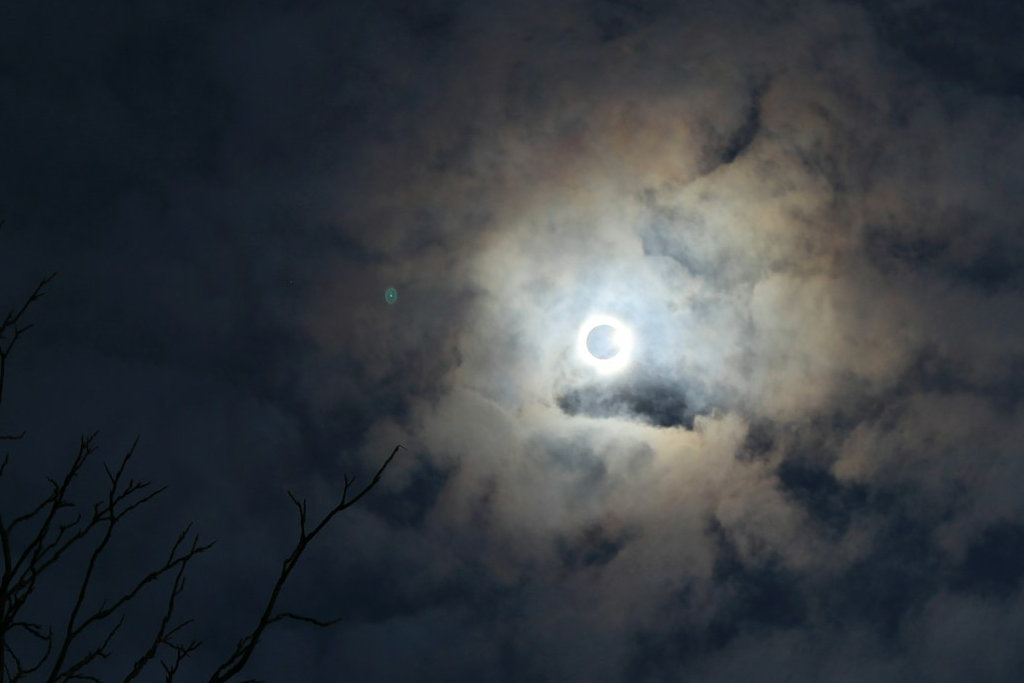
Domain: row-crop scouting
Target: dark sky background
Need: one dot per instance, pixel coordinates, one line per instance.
(811, 214)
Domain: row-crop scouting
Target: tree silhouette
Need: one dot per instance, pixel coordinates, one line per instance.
(57, 529)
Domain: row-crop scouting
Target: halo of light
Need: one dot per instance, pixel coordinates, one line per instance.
(623, 339)
(391, 295)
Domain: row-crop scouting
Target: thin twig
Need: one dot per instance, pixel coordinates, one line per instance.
(247, 644)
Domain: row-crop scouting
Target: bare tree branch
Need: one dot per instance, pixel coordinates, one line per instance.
(37, 539)
(181, 651)
(247, 645)
(165, 633)
(74, 671)
(281, 616)
(11, 328)
(122, 496)
(51, 540)
(35, 630)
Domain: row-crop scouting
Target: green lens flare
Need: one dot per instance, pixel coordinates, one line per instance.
(391, 295)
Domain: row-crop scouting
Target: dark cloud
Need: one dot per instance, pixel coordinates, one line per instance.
(990, 265)
(969, 46)
(615, 19)
(994, 564)
(594, 547)
(824, 499)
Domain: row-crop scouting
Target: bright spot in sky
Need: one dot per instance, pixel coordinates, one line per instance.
(604, 343)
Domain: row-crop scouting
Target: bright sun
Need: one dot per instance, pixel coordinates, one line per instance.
(604, 343)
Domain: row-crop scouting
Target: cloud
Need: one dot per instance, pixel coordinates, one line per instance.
(736, 224)
(809, 220)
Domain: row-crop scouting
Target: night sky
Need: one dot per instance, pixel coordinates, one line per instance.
(810, 214)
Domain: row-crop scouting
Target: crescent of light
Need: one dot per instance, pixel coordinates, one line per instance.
(623, 337)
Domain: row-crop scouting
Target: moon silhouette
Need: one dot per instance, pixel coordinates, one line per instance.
(601, 342)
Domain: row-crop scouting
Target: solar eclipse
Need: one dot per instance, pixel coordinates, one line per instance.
(605, 344)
